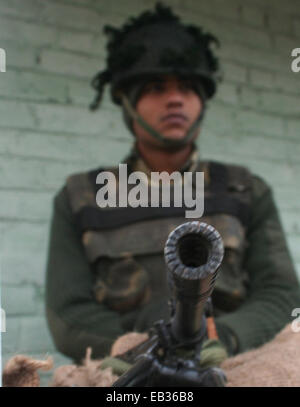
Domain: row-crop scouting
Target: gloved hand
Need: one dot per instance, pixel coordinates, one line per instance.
(117, 366)
(213, 353)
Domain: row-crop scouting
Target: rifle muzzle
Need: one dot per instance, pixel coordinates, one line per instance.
(193, 254)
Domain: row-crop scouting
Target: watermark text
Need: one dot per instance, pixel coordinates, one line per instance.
(161, 190)
(2, 320)
(2, 60)
(296, 62)
(296, 323)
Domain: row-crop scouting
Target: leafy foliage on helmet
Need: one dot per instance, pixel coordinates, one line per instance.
(162, 14)
(156, 43)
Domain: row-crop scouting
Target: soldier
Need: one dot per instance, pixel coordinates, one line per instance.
(106, 272)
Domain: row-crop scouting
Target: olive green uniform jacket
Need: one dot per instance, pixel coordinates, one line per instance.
(254, 295)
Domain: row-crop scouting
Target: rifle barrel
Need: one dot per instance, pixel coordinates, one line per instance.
(193, 254)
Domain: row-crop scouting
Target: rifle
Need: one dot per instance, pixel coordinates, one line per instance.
(193, 254)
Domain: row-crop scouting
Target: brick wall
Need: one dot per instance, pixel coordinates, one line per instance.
(53, 47)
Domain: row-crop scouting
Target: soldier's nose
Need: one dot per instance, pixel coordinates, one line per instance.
(174, 97)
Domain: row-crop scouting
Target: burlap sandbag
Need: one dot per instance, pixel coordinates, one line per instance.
(277, 363)
(90, 374)
(274, 364)
(22, 371)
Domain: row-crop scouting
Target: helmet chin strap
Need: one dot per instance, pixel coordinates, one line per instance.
(157, 135)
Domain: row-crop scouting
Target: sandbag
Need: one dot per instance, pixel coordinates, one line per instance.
(22, 371)
(275, 364)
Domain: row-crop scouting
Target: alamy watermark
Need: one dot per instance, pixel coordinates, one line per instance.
(2, 60)
(162, 185)
(296, 323)
(295, 66)
(3, 320)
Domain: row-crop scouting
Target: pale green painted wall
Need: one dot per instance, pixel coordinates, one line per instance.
(46, 132)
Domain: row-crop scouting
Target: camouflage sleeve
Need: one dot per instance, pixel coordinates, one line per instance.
(75, 319)
(273, 290)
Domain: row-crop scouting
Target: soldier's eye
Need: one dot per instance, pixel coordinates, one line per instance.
(186, 85)
(154, 87)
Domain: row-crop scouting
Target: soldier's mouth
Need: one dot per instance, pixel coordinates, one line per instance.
(175, 118)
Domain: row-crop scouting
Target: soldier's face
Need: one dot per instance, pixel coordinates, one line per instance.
(168, 104)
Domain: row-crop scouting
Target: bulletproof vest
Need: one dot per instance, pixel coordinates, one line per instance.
(124, 246)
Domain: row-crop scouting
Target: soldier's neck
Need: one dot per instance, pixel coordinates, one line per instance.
(164, 160)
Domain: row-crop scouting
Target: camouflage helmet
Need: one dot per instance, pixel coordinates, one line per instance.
(156, 43)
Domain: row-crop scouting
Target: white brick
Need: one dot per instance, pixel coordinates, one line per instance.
(130, 8)
(17, 55)
(219, 119)
(262, 79)
(296, 25)
(253, 16)
(227, 93)
(34, 86)
(98, 45)
(27, 238)
(291, 221)
(282, 7)
(73, 41)
(255, 146)
(80, 121)
(293, 129)
(279, 103)
(293, 150)
(23, 268)
(69, 16)
(255, 58)
(260, 123)
(293, 243)
(297, 266)
(288, 197)
(26, 205)
(234, 72)
(16, 114)
(70, 64)
(16, 8)
(114, 18)
(33, 173)
(23, 262)
(211, 143)
(276, 173)
(35, 336)
(22, 33)
(226, 8)
(37, 174)
(285, 44)
(250, 97)
(10, 338)
(62, 147)
(84, 3)
(193, 14)
(288, 83)
(18, 300)
(238, 33)
(80, 92)
(279, 22)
